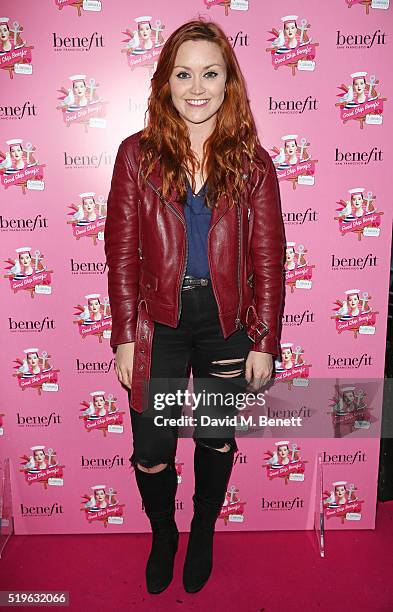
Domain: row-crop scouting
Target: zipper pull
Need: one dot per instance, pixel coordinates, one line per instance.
(239, 325)
(248, 212)
(140, 253)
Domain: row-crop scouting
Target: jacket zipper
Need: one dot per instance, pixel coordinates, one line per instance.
(185, 230)
(239, 325)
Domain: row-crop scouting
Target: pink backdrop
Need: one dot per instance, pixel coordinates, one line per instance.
(338, 141)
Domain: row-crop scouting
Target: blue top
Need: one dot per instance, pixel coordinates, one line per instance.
(197, 216)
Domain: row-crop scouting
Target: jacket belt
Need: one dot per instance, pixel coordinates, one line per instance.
(142, 359)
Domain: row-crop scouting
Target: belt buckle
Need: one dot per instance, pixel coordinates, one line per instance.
(204, 282)
(259, 324)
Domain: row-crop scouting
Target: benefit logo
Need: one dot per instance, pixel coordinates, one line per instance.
(19, 166)
(35, 371)
(359, 214)
(292, 368)
(285, 462)
(292, 46)
(101, 413)
(232, 509)
(28, 272)
(80, 5)
(374, 4)
(42, 467)
(143, 43)
(228, 5)
(360, 100)
(94, 318)
(293, 162)
(81, 103)
(15, 53)
(298, 272)
(88, 217)
(342, 502)
(354, 313)
(102, 505)
(349, 406)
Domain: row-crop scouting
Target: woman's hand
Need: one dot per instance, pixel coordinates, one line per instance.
(259, 368)
(124, 362)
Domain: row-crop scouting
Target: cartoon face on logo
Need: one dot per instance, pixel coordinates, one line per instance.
(143, 43)
(94, 319)
(102, 413)
(358, 214)
(19, 166)
(28, 272)
(88, 217)
(298, 272)
(35, 371)
(360, 101)
(102, 505)
(232, 509)
(350, 407)
(342, 502)
(291, 45)
(41, 466)
(293, 162)
(354, 313)
(233, 5)
(285, 462)
(292, 367)
(81, 103)
(80, 5)
(15, 54)
(374, 4)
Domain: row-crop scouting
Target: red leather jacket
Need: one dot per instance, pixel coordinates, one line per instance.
(146, 251)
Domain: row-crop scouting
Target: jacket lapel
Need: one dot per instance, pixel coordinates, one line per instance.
(155, 179)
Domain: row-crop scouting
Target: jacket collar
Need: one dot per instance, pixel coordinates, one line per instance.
(155, 179)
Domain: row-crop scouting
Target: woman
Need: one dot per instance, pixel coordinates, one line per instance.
(182, 262)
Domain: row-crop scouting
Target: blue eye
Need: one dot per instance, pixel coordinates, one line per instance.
(211, 72)
(179, 75)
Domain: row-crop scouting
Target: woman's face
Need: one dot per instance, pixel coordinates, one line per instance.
(99, 495)
(25, 259)
(348, 397)
(99, 402)
(32, 359)
(290, 29)
(144, 30)
(340, 491)
(286, 354)
(197, 82)
(39, 456)
(353, 300)
(16, 152)
(94, 305)
(357, 200)
(290, 147)
(4, 33)
(79, 88)
(283, 451)
(359, 85)
(88, 204)
(290, 254)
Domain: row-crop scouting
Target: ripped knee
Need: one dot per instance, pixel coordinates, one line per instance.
(228, 371)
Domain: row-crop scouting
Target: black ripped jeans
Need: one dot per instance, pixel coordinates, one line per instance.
(196, 343)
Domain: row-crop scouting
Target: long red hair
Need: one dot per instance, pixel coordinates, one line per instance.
(227, 153)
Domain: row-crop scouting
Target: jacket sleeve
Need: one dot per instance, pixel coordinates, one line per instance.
(121, 249)
(268, 256)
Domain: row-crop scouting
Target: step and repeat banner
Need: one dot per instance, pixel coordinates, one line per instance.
(74, 82)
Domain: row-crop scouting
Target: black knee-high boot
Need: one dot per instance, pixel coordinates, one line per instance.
(212, 471)
(158, 492)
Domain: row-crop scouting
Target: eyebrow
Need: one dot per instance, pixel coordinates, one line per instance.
(205, 68)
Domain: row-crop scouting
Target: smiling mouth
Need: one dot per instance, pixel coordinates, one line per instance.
(197, 102)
